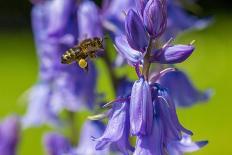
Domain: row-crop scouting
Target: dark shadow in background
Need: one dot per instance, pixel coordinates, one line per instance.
(16, 13)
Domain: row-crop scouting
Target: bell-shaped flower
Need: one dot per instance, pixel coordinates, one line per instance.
(167, 132)
(135, 32)
(39, 110)
(86, 144)
(141, 108)
(155, 17)
(10, 134)
(172, 54)
(185, 145)
(181, 89)
(89, 22)
(74, 90)
(57, 144)
(117, 130)
(132, 56)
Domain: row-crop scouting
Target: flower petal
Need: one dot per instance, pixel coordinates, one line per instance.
(181, 89)
(132, 56)
(56, 144)
(140, 5)
(59, 16)
(155, 17)
(151, 144)
(141, 108)
(89, 23)
(117, 130)
(173, 54)
(10, 135)
(185, 146)
(86, 144)
(135, 32)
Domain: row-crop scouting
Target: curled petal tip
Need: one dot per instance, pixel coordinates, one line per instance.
(97, 117)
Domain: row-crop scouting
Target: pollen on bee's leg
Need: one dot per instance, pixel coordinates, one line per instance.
(83, 63)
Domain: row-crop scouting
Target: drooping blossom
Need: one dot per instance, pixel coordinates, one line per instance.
(181, 89)
(9, 135)
(86, 145)
(141, 113)
(185, 145)
(57, 144)
(117, 130)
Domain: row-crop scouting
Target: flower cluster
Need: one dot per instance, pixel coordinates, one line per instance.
(141, 31)
(149, 112)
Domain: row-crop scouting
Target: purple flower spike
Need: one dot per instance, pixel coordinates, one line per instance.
(89, 23)
(10, 132)
(56, 144)
(132, 56)
(135, 32)
(181, 90)
(117, 131)
(140, 5)
(185, 146)
(141, 108)
(173, 54)
(155, 17)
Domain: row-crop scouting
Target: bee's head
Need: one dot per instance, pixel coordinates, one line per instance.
(66, 59)
(99, 43)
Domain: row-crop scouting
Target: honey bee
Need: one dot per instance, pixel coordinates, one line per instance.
(81, 52)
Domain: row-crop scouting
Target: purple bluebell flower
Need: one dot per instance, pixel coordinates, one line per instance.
(185, 145)
(89, 22)
(39, 110)
(181, 89)
(167, 132)
(135, 32)
(86, 144)
(10, 135)
(155, 17)
(117, 130)
(56, 144)
(172, 54)
(141, 108)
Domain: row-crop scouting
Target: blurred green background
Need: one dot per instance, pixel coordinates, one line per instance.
(209, 67)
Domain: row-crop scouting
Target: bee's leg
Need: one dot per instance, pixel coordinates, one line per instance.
(86, 69)
(83, 63)
(92, 55)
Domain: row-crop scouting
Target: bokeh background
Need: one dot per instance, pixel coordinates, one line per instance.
(209, 67)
